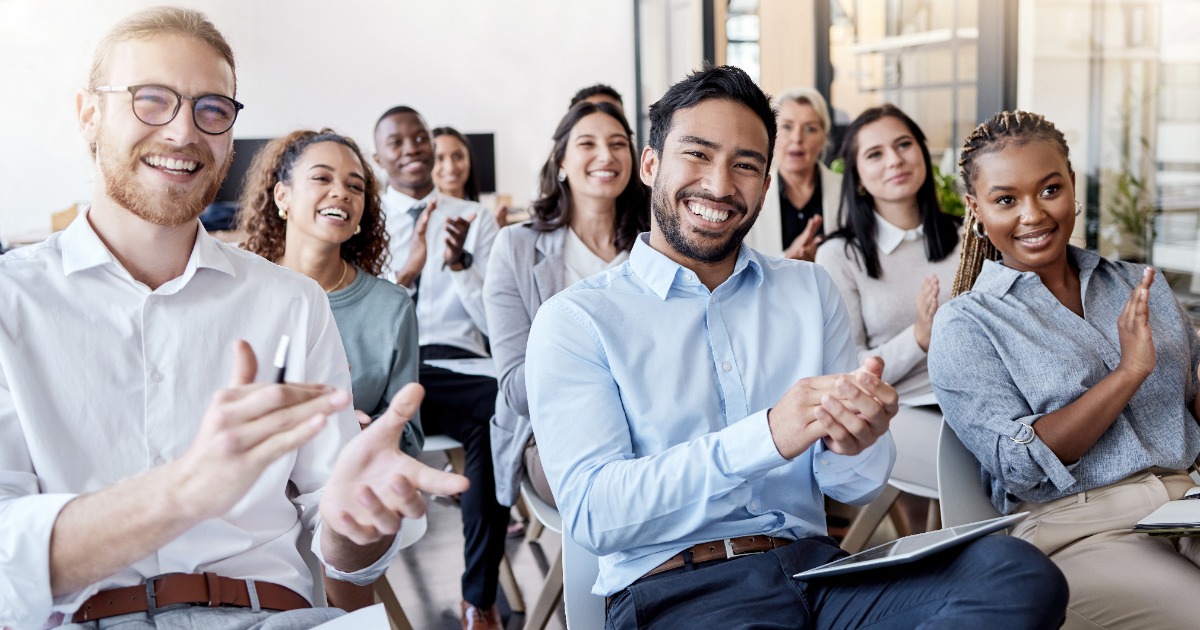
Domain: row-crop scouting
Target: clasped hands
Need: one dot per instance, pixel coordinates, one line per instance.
(848, 412)
(249, 426)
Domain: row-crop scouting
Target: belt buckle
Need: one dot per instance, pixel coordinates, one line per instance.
(152, 608)
(731, 554)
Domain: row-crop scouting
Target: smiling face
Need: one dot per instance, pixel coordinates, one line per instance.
(709, 181)
(325, 198)
(889, 161)
(1024, 194)
(403, 147)
(801, 137)
(451, 166)
(597, 160)
(167, 174)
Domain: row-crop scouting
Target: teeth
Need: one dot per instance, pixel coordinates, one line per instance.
(709, 214)
(603, 173)
(334, 212)
(1034, 240)
(171, 164)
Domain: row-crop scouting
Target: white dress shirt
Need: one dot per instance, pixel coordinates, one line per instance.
(102, 379)
(449, 303)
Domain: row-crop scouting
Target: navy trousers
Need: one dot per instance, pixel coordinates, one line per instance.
(461, 406)
(994, 582)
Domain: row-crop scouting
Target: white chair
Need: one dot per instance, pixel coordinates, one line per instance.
(915, 431)
(585, 611)
(552, 590)
(457, 457)
(410, 532)
(963, 500)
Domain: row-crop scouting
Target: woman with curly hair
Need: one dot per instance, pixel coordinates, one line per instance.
(311, 204)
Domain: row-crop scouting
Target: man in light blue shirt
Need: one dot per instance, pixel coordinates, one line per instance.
(692, 405)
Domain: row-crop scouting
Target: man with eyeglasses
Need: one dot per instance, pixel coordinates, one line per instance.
(153, 473)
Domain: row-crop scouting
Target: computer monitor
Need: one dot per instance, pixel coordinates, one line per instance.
(244, 150)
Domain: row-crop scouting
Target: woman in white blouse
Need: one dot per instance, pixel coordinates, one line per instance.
(591, 208)
(893, 251)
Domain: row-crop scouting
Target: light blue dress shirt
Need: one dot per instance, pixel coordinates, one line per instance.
(649, 398)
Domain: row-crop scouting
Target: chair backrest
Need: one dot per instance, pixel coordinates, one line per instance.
(963, 501)
(542, 511)
(585, 611)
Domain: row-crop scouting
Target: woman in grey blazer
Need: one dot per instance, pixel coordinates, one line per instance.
(591, 208)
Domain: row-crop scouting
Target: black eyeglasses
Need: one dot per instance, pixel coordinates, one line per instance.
(157, 105)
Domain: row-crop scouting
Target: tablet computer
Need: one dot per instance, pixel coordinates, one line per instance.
(912, 548)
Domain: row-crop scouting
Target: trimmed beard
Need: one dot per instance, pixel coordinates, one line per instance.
(171, 205)
(672, 228)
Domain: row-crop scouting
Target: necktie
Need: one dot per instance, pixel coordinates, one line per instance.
(415, 212)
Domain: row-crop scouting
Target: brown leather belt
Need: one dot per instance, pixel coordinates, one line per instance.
(721, 550)
(198, 589)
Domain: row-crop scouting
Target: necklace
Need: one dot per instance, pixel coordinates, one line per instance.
(340, 278)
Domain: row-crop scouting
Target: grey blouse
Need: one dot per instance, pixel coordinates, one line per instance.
(1008, 352)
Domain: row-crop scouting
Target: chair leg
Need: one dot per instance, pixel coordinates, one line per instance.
(396, 617)
(868, 520)
(934, 519)
(508, 582)
(549, 598)
(458, 460)
(533, 530)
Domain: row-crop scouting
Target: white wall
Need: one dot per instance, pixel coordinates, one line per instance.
(502, 66)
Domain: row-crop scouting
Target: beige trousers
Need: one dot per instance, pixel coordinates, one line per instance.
(1119, 579)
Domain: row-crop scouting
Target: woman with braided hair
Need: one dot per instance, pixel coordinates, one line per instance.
(1072, 378)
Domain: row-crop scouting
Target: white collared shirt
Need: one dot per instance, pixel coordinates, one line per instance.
(449, 303)
(102, 379)
(889, 236)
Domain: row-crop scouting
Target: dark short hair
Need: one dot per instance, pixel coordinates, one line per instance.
(399, 109)
(471, 186)
(596, 90)
(711, 82)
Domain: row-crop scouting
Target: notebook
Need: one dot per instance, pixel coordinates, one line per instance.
(913, 547)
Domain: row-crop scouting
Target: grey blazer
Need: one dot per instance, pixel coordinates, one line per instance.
(526, 269)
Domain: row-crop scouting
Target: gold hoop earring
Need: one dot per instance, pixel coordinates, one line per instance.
(358, 229)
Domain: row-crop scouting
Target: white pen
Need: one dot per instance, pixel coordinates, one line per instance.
(281, 358)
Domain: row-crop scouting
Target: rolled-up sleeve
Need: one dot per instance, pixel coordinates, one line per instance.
(987, 410)
(26, 523)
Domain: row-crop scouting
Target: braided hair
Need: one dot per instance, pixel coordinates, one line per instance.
(994, 134)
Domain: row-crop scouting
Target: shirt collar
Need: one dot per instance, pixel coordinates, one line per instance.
(82, 249)
(997, 279)
(660, 273)
(403, 202)
(889, 237)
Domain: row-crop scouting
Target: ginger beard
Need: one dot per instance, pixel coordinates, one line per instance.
(667, 217)
(167, 204)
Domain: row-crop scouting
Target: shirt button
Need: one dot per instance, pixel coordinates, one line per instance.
(824, 462)
(156, 376)
(754, 505)
(689, 277)
(725, 366)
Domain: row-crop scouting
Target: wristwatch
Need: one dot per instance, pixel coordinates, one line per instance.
(466, 260)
